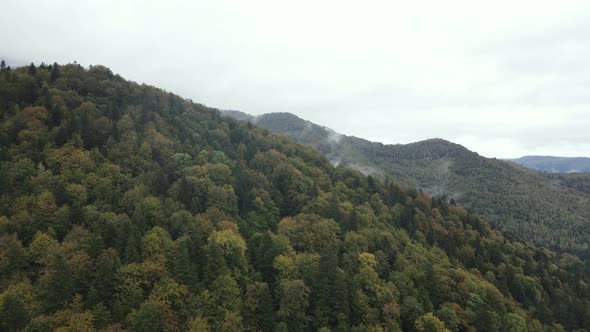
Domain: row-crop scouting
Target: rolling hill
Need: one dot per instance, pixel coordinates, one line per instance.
(555, 164)
(519, 201)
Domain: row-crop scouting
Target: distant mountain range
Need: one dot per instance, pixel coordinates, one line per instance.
(551, 164)
(552, 211)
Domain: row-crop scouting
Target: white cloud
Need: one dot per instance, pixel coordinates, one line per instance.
(502, 77)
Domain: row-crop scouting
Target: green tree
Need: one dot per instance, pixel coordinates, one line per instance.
(309, 233)
(513, 322)
(181, 264)
(429, 323)
(198, 324)
(17, 305)
(105, 269)
(331, 293)
(156, 242)
(225, 301)
(448, 314)
(12, 256)
(56, 282)
(293, 302)
(148, 318)
(259, 312)
(232, 247)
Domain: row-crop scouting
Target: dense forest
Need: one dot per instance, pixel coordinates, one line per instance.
(125, 207)
(525, 203)
(576, 181)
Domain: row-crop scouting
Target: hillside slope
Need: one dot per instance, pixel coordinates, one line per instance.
(124, 207)
(554, 164)
(577, 181)
(525, 203)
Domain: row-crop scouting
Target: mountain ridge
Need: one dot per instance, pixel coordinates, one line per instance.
(492, 187)
(553, 164)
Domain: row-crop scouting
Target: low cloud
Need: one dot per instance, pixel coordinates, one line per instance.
(502, 78)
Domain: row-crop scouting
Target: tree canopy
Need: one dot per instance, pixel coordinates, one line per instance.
(125, 207)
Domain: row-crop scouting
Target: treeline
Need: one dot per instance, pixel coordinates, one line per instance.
(124, 207)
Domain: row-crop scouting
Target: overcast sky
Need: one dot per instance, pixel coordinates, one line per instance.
(503, 78)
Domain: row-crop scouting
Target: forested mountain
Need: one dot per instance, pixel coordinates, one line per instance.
(525, 203)
(554, 164)
(576, 181)
(125, 207)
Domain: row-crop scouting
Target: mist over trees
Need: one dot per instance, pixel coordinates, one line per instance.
(527, 204)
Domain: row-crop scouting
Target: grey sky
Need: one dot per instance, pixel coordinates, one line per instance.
(503, 78)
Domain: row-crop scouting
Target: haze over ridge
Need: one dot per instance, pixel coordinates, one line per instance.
(504, 79)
